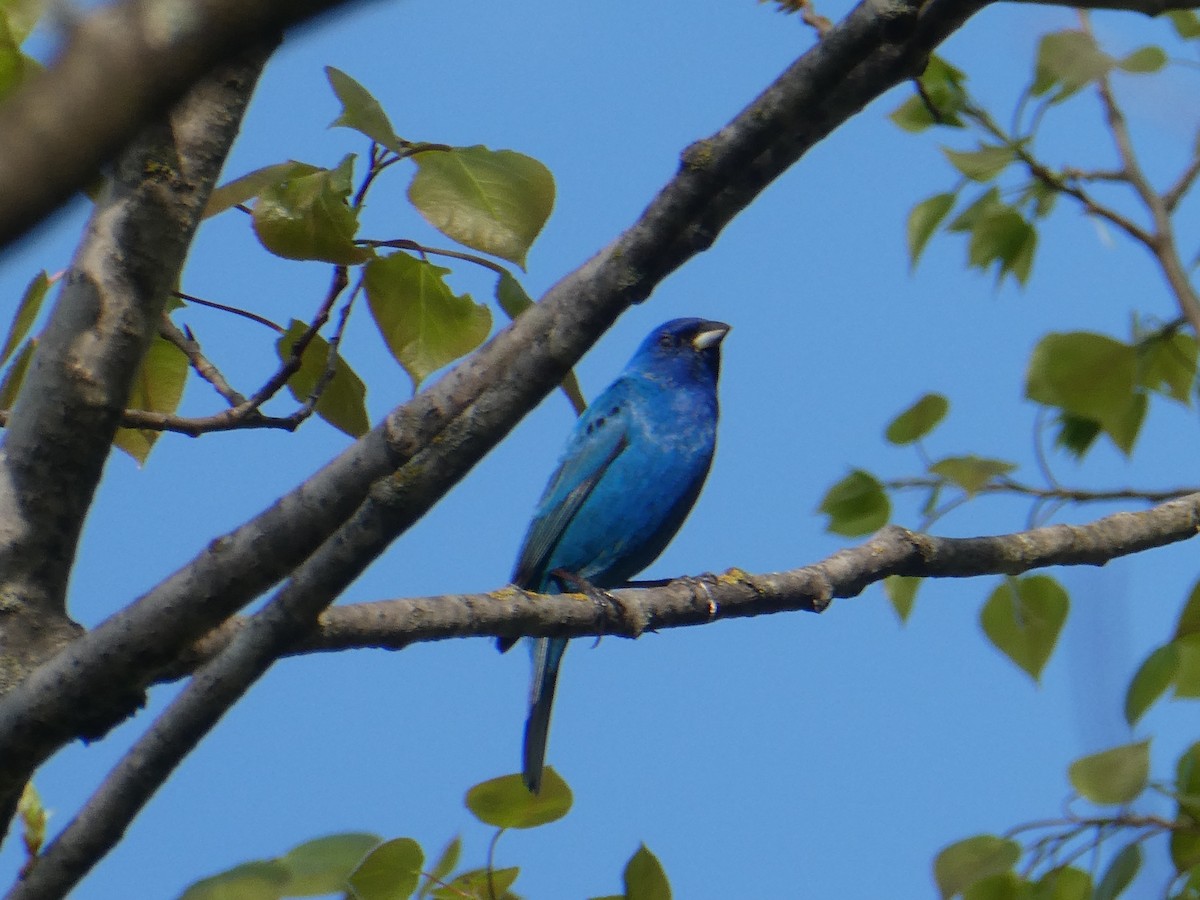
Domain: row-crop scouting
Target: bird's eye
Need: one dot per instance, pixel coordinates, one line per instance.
(666, 340)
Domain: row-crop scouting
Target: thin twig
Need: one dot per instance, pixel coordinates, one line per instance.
(244, 313)
(1009, 486)
(203, 367)
(1177, 191)
(405, 244)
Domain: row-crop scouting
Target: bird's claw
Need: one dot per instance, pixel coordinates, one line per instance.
(702, 582)
(601, 598)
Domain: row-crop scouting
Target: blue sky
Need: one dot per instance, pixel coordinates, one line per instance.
(790, 755)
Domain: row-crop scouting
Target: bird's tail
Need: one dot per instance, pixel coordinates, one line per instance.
(547, 654)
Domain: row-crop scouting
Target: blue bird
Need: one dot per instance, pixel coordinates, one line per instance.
(629, 474)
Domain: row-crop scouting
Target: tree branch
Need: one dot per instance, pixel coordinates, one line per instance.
(508, 612)
(61, 429)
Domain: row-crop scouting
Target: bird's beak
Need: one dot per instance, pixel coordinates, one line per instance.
(710, 336)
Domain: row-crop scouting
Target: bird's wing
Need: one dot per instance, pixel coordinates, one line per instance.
(600, 436)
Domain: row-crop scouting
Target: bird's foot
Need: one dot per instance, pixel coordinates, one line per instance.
(700, 584)
(602, 599)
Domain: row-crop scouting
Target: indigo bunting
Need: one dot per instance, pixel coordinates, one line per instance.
(628, 476)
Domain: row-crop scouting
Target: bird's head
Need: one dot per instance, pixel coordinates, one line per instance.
(683, 349)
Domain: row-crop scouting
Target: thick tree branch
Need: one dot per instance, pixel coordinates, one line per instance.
(61, 428)
(63, 423)
(122, 67)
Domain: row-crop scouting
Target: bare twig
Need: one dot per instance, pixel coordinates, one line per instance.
(1178, 191)
(202, 365)
(244, 313)
(1009, 486)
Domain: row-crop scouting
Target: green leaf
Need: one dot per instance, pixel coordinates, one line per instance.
(15, 68)
(1112, 777)
(389, 872)
(506, 803)
(1041, 195)
(1185, 22)
(262, 880)
(856, 505)
(1005, 886)
(514, 301)
(645, 878)
(1023, 618)
(901, 590)
(914, 115)
(1120, 873)
(511, 296)
(924, 220)
(480, 883)
(1068, 60)
(983, 164)
(1076, 434)
(26, 314)
(1153, 678)
(15, 376)
(971, 473)
(1091, 376)
(307, 217)
(1189, 616)
(323, 865)
(361, 111)
(1187, 784)
(942, 85)
(441, 869)
(423, 323)
(985, 204)
(1144, 60)
(1064, 884)
(19, 17)
(1167, 363)
(1185, 851)
(1187, 673)
(966, 862)
(250, 185)
(918, 420)
(157, 387)
(343, 399)
(1002, 235)
(495, 201)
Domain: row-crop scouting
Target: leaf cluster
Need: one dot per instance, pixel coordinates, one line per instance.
(492, 203)
(360, 866)
(1071, 858)
(1003, 190)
